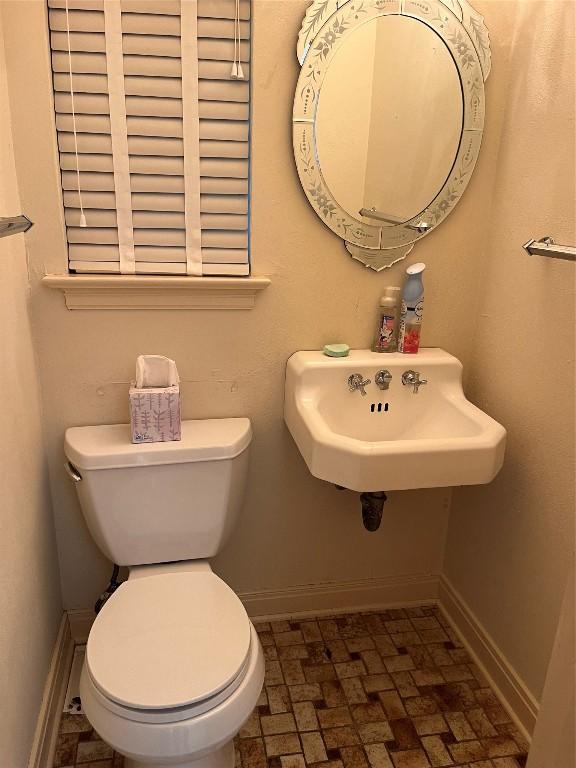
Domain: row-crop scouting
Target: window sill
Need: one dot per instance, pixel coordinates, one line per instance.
(156, 292)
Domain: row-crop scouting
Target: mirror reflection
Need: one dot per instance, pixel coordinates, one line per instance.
(389, 120)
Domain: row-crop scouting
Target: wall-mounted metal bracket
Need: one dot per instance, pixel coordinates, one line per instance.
(12, 225)
(547, 247)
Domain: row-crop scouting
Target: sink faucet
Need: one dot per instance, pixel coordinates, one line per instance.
(356, 381)
(383, 379)
(412, 378)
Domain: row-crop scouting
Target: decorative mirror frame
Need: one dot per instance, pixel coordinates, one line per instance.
(325, 26)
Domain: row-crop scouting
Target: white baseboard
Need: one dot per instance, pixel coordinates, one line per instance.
(80, 624)
(345, 596)
(500, 673)
(314, 599)
(42, 753)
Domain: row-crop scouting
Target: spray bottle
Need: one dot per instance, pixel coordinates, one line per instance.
(411, 310)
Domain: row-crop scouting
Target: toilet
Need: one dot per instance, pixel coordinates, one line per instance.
(173, 664)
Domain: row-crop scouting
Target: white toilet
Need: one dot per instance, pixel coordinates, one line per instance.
(173, 664)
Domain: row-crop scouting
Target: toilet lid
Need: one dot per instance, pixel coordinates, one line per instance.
(168, 640)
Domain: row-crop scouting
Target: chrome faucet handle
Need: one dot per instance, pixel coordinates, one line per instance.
(383, 379)
(356, 381)
(412, 378)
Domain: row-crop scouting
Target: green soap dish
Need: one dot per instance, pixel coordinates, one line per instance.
(336, 350)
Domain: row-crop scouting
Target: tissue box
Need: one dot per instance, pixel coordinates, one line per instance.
(155, 414)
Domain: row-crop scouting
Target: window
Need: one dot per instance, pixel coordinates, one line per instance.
(152, 113)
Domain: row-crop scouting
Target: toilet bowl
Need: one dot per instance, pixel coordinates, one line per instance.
(173, 668)
(173, 665)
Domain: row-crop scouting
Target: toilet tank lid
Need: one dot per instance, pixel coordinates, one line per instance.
(110, 446)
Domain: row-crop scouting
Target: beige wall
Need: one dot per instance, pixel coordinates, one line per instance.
(294, 529)
(554, 739)
(30, 607)
(510, 543)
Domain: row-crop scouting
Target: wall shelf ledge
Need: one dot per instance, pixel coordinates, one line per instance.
(156, 291)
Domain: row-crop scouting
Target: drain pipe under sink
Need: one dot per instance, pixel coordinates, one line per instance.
(372, 507)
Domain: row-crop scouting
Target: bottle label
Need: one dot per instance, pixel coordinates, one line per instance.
(411, 339)
(386, 332)
(412, 313)
(410, 327)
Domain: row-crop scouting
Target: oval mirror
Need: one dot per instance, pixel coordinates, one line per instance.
(388, 117)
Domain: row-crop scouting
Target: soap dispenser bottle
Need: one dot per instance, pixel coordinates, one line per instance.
(386, 337)
(411, 310)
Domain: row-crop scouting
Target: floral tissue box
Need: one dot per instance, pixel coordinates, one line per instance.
(155, 414)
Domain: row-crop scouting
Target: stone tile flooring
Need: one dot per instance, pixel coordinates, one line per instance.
(393, 689)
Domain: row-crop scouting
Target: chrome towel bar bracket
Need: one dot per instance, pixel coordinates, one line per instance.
(12, 225)
(547, 247)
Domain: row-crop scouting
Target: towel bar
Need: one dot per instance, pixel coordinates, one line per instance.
(11, 225)
(547, 247)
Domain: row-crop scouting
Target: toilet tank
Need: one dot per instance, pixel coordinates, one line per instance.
(160, 502)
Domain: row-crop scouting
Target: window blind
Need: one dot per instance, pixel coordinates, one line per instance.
(153, 133)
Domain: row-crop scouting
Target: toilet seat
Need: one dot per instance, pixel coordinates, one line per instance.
(168, 646)
(164, 716)
(184, 739)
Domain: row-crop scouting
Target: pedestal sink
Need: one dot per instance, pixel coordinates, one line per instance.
(408, 435)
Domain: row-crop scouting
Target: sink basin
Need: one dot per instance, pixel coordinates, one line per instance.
(391, 439)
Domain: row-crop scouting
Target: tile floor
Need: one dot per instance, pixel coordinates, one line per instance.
(393, 689)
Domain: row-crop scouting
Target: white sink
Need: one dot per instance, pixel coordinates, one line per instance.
(393, 439)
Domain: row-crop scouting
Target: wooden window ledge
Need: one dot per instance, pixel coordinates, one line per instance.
(156, 292)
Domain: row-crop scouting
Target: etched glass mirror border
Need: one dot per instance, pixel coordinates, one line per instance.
(325, 26)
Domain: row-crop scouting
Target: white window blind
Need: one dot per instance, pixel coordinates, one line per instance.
(153, 133)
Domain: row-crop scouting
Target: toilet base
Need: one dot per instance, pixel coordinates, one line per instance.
(221, 758)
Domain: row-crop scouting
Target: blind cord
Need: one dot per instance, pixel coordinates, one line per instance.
(234, 72)
(82, 216)
(237, 71)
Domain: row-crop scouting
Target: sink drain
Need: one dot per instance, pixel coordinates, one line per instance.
(372, 508)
